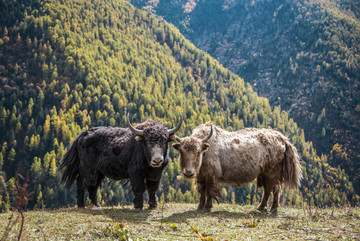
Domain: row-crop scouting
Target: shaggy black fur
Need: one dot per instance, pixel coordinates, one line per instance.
(113, 152)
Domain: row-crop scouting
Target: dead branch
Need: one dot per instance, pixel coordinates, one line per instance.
(9, 226)
(22, 224)
(22, 198)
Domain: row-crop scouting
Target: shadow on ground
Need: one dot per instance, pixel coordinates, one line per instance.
(127, 214)
(183, 216)
(118, 214)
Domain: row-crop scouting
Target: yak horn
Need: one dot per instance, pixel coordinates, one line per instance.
(172, 131)
(208, 137)
(133, 129)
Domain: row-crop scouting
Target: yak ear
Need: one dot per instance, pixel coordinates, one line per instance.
(176, 146)
(205, 147)
(138, 138)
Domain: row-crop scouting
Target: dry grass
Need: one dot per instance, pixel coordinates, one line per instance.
(174, 222)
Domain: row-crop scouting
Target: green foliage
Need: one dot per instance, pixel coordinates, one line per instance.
(91, 63)
(4, 196)
(306, 59)
(117, 231)
(39, 198)
(10, 185)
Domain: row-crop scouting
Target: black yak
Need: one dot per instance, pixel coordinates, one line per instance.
(237, 158)
(139, 154)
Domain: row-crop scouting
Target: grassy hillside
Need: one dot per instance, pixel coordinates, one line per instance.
(69, 65)
(302, 55)
(175, 221)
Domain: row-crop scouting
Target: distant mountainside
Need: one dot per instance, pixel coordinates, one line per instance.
(351, 7)
(68, 65)
(302, 55)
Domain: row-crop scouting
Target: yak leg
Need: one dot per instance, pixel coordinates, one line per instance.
(93, 187)
(211, 190)
(265, 198)
(93, 196)
(275, 183)
(272, 183)
(275, 205)
(152, 187)
(202, 191)
(80, 192)
(202, 201)
(138, 188)
(208, 203)
(138, 200)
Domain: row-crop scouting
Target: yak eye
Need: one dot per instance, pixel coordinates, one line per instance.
(198, 153)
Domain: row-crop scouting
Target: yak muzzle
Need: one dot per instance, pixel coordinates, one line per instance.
(156, 162)
(157, 156)
(189, 174)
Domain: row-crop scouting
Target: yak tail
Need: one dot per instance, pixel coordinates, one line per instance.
(292, 172)
(71, 164)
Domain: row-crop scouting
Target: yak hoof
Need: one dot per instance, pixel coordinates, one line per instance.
(273, 211)
(138, 209)
(96, 204)
(153, 206)
(261, 209)
(207, 210)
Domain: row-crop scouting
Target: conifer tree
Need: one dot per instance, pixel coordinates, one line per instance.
(179, 197)
(1, 161)
(52, 169)
(224, 194)
(36, 166)
(233, 200)
(11, 190)
(11, 155)
(39, 198)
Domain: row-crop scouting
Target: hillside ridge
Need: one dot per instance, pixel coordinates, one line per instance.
(70, 65)
(301, 55)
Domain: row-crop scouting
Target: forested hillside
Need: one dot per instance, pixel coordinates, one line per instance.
(302, 55)
(351, 7)
(68, 65)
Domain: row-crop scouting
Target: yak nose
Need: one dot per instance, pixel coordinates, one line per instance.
(156, 162)
(189, 173)
(158, 159)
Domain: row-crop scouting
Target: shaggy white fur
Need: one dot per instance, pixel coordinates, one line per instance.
(237, 158)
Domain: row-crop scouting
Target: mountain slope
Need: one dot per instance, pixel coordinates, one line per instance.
(351, 7)
(302, 55)
(69, 65)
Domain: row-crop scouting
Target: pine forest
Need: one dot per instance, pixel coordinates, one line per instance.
(66, 66)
